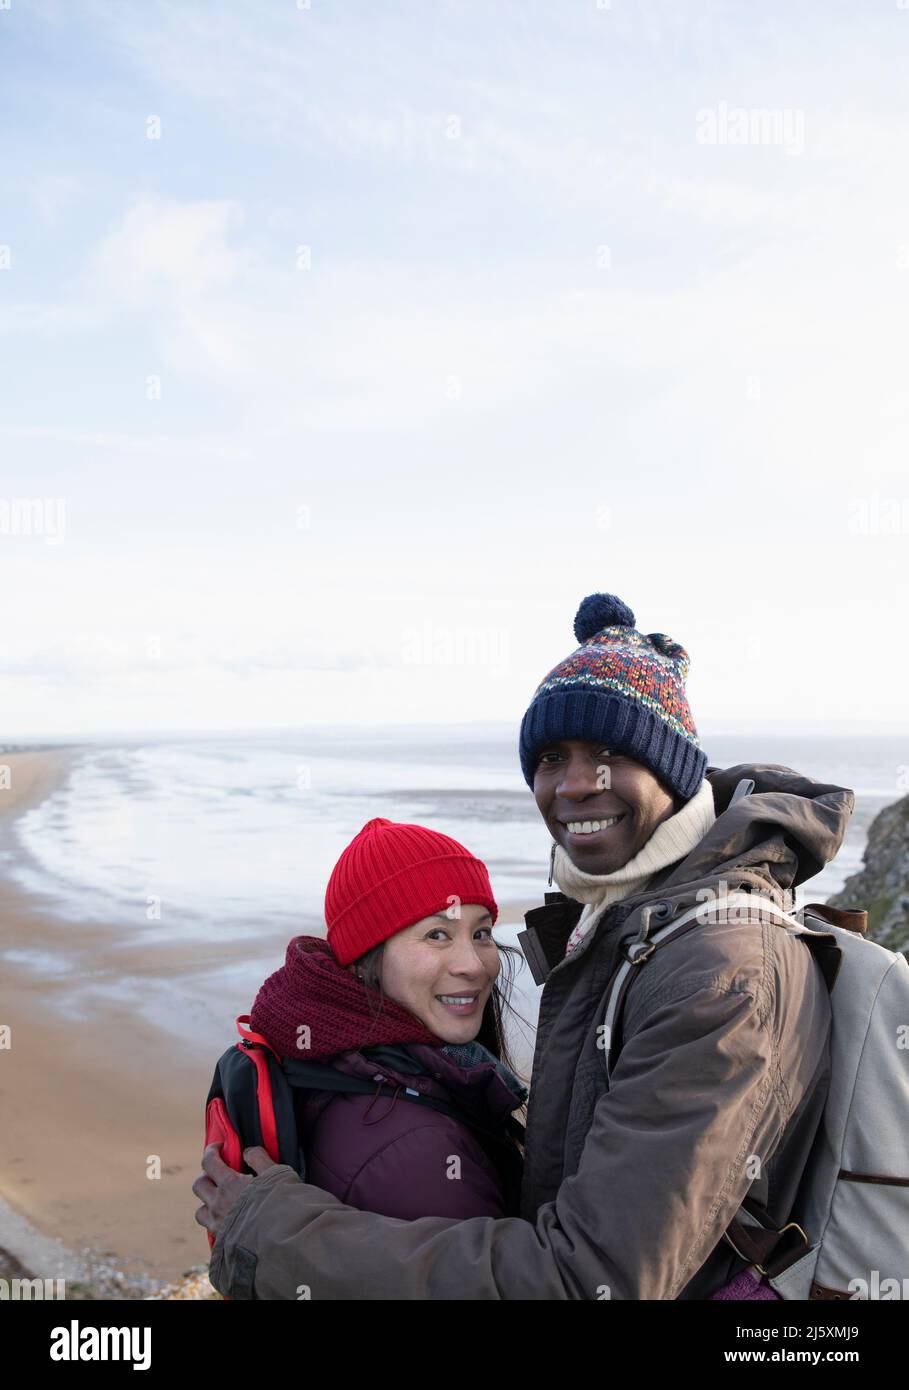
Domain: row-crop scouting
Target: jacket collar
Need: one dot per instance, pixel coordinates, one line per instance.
(548, 928)
(546, 933)
(473, 1079)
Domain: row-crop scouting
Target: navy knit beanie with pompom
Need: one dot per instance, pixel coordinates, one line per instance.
(623, 689)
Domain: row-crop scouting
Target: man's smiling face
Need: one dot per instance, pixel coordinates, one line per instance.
(599, 805)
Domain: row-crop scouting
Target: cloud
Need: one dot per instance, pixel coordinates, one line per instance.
(162, 246)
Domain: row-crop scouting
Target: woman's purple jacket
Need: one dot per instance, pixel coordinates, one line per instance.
(391, 1155)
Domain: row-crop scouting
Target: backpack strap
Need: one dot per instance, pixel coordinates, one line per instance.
(254, 1037)
(312, 1076)
(255, 1045)
(854, 919)
(769, 1248)
(639, 950)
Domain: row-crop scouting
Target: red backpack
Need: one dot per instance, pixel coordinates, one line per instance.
(251, 1102)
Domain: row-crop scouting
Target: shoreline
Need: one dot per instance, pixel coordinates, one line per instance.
(113, 1040)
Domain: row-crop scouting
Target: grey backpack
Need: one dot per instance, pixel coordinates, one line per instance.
(849, 1233)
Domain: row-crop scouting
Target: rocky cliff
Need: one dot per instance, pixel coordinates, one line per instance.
(882, 884)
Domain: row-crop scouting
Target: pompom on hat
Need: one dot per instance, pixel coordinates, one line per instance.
(624, 689)
(392, 875)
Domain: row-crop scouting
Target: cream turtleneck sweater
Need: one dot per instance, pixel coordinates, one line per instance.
(671, 841)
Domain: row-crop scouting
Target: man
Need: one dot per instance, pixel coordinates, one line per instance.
(718, 1062)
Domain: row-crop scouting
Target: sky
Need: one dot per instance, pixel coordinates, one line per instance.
(347, 346)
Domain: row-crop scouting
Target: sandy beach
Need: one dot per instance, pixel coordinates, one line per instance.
(88, 1095)
(113, 1041)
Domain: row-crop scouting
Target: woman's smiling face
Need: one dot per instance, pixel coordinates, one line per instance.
(442, 970)
(599, 805)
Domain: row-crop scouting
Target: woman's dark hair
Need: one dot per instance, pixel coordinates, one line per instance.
(492, 1025)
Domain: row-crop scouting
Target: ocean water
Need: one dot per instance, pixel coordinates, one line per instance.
(232, 831)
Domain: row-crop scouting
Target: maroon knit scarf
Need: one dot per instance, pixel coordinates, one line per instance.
(312, 989)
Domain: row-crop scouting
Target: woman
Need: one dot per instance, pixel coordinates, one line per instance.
(402, 995)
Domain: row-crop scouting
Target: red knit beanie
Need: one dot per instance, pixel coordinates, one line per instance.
(392, 875)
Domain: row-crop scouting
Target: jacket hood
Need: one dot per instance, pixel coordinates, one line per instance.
(790, 823)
